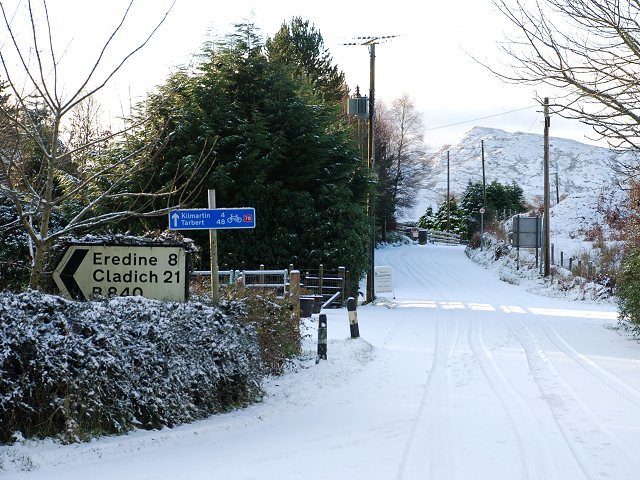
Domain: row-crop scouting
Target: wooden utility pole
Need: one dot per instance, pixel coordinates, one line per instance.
(484, 179)
(448, 195)
(484, 198)
(371, 157)
(372, 105)
(371, 43)
(546, 244)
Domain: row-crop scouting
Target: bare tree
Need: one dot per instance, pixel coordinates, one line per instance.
(590, 50)
(50, 156)
(400, 153)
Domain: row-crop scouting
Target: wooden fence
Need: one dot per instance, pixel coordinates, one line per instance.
(329, 284)
(434, 236)
(425, 235)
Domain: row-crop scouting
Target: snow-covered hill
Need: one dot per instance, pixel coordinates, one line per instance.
(516, 157)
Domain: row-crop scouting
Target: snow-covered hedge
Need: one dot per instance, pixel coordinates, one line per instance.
(501, 258)
(629, 290)
(74, 369)
(277, 326)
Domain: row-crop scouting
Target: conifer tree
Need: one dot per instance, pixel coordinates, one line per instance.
(300, 46)
(427, 220)
(453, 217)
(274, 145)
(500, 199)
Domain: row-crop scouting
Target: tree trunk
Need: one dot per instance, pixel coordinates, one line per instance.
(39, 255)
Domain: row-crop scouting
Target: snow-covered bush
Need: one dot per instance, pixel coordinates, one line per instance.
(73, 369)
(517, 268)
(628, 288)
(396, 239)
(277, 327)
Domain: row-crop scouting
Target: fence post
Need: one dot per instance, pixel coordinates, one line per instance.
(562, 259)
(353, 317)
(261, 275)
(322, 338)
(320, 277)
(342, 274)
(553, 261)
(347, 285)
(294, 292)
(571, 264)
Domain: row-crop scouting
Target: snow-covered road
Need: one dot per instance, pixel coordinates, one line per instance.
(518, 386)
(460, 376)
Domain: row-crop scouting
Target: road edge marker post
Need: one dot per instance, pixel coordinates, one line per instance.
(353, 317)
(322, 338)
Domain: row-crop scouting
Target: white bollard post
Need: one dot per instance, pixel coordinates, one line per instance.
(353, 317)
(322, 338)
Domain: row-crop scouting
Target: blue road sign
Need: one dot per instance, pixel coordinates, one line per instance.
(207, 219)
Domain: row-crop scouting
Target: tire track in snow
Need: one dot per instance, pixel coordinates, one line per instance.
(429, 272)
(623, 389)
(412, 269)
(535, 457)
(445, 275)
(429, 450)
(576, 421)
(593, 451)
(419, 265)
(536, 361)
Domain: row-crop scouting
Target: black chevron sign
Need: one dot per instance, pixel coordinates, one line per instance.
(68, 271)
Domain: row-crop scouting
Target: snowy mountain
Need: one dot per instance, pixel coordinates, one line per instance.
(515, 157)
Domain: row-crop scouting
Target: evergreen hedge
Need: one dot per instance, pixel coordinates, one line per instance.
(79, 369)
(628, 288)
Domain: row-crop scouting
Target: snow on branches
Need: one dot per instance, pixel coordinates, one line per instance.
(73, 370)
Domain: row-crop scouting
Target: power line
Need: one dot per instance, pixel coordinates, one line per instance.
(481, 118)
(370, 40)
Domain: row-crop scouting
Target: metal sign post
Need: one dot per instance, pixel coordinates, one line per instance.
(213, 244)
(482, 212)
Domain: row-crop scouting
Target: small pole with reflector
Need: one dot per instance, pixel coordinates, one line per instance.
(322, 338)
(353, 317)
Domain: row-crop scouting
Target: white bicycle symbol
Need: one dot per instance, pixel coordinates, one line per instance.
(234, 218)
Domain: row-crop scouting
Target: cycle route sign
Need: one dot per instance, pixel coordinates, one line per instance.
(212, 219)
